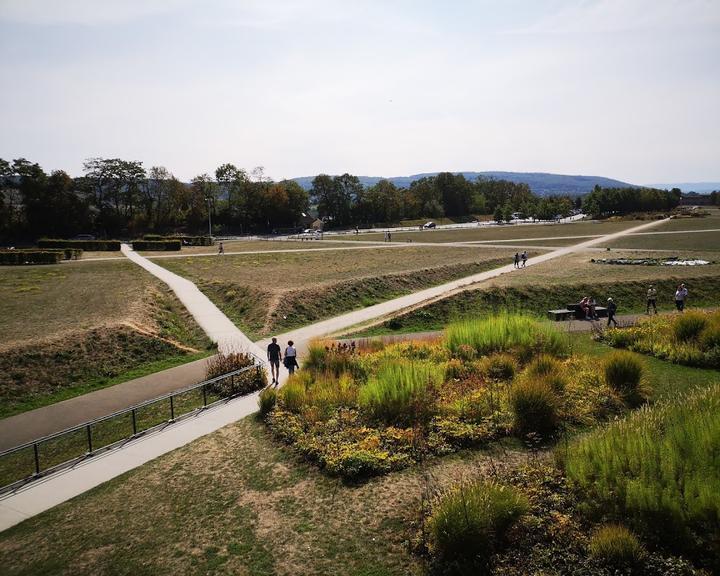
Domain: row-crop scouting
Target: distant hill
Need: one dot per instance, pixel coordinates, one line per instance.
(699, 187)
(540, 183)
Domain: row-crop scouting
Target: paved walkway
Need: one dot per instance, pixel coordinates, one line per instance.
(216, 325)
(39, 496)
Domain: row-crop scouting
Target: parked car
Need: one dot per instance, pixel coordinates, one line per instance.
(429, 225)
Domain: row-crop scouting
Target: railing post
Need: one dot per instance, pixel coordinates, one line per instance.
(172, 409)
(134, 423)
(204, 396)
(37, 459)
(89, 439)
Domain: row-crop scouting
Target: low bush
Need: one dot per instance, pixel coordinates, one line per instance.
(22, 257)
(688, 326)
(401, 392)
(267, 401)
(657, 469)
(624, 374)
(543, 365)
(68, 253)
(325, 358)
(89, 245)
(499, 366)
(516, 333)
(156, 245)
(248, 381)
(469, 522)
(292, 395)
(535, 407)
(615, 546)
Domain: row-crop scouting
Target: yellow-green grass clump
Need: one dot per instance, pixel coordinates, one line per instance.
(692, 338)
(659, 469)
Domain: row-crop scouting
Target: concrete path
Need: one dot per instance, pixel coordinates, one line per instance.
(39, 496)
(21, 428)
(215, 324)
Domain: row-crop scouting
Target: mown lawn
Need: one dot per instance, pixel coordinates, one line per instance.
(236, 502)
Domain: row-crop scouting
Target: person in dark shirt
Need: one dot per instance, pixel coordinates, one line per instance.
(274, 356)
(611, 309)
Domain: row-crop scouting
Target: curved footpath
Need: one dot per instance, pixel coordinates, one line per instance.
(41, 495)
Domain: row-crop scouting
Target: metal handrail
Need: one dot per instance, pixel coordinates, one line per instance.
(87, 426)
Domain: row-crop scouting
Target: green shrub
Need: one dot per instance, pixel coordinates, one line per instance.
(468, 523)
(68, 253)
(89, 245)
(535, 407)
(156, 245)
(401, 392)
(688, 326)
(22, 257)
(614, 545)
(499, 366)
(267, 401)
(710, 336)
(517, 333)
(624, 374)
(543, 365)
(322, 358)
(658, 469)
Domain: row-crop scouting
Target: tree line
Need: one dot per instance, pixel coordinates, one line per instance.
(613, 201)
(120, 198)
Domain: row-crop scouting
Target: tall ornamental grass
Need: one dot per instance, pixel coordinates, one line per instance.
(624, 373)
(469, 521)
(616, 547)
(402, 392)
(658, 468)
(687, 327)
(535, 406)
(324, 393)
(505, 333)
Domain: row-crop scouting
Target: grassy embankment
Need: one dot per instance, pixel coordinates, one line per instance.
(267, 293)
(70, 329)
(237, 502)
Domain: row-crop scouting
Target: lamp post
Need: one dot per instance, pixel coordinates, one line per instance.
(208, 198)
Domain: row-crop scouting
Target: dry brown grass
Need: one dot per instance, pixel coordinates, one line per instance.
(256, 246)
(39, 302)
(284, 271)
(236, 503)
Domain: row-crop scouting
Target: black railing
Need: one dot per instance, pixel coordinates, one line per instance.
(32, 460)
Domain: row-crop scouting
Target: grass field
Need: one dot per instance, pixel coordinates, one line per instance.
(504, 232)
(69, 329)
(235, 502)
(253, 246)
(265, 293)
(692, 241)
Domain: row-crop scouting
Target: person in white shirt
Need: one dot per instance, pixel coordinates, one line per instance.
(680, 296)
(291, 357)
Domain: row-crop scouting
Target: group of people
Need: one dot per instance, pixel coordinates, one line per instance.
(275, 356)
(520, 258)
(388, 236)
(681, 294)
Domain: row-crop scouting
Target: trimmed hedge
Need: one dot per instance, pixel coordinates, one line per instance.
(91, 245)
(156, 245)
(184, 240)
(68, 253)
(21, 257)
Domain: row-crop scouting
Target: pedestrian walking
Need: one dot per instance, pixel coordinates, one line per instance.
(651, 299)
(517, 259)
(611, 310)
(524, 258)
(386, 235)
(389, 236)
(680, 296)
(274, 356)
(291, 357)
(221, 248)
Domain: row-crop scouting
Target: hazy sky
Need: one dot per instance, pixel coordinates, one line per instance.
(628, 89)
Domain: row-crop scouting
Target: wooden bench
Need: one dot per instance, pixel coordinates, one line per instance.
(574, 312)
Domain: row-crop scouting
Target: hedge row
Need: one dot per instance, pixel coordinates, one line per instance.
(185, 240)
(68, 253)
(91, 245)
(20, 257)
(156, 245)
